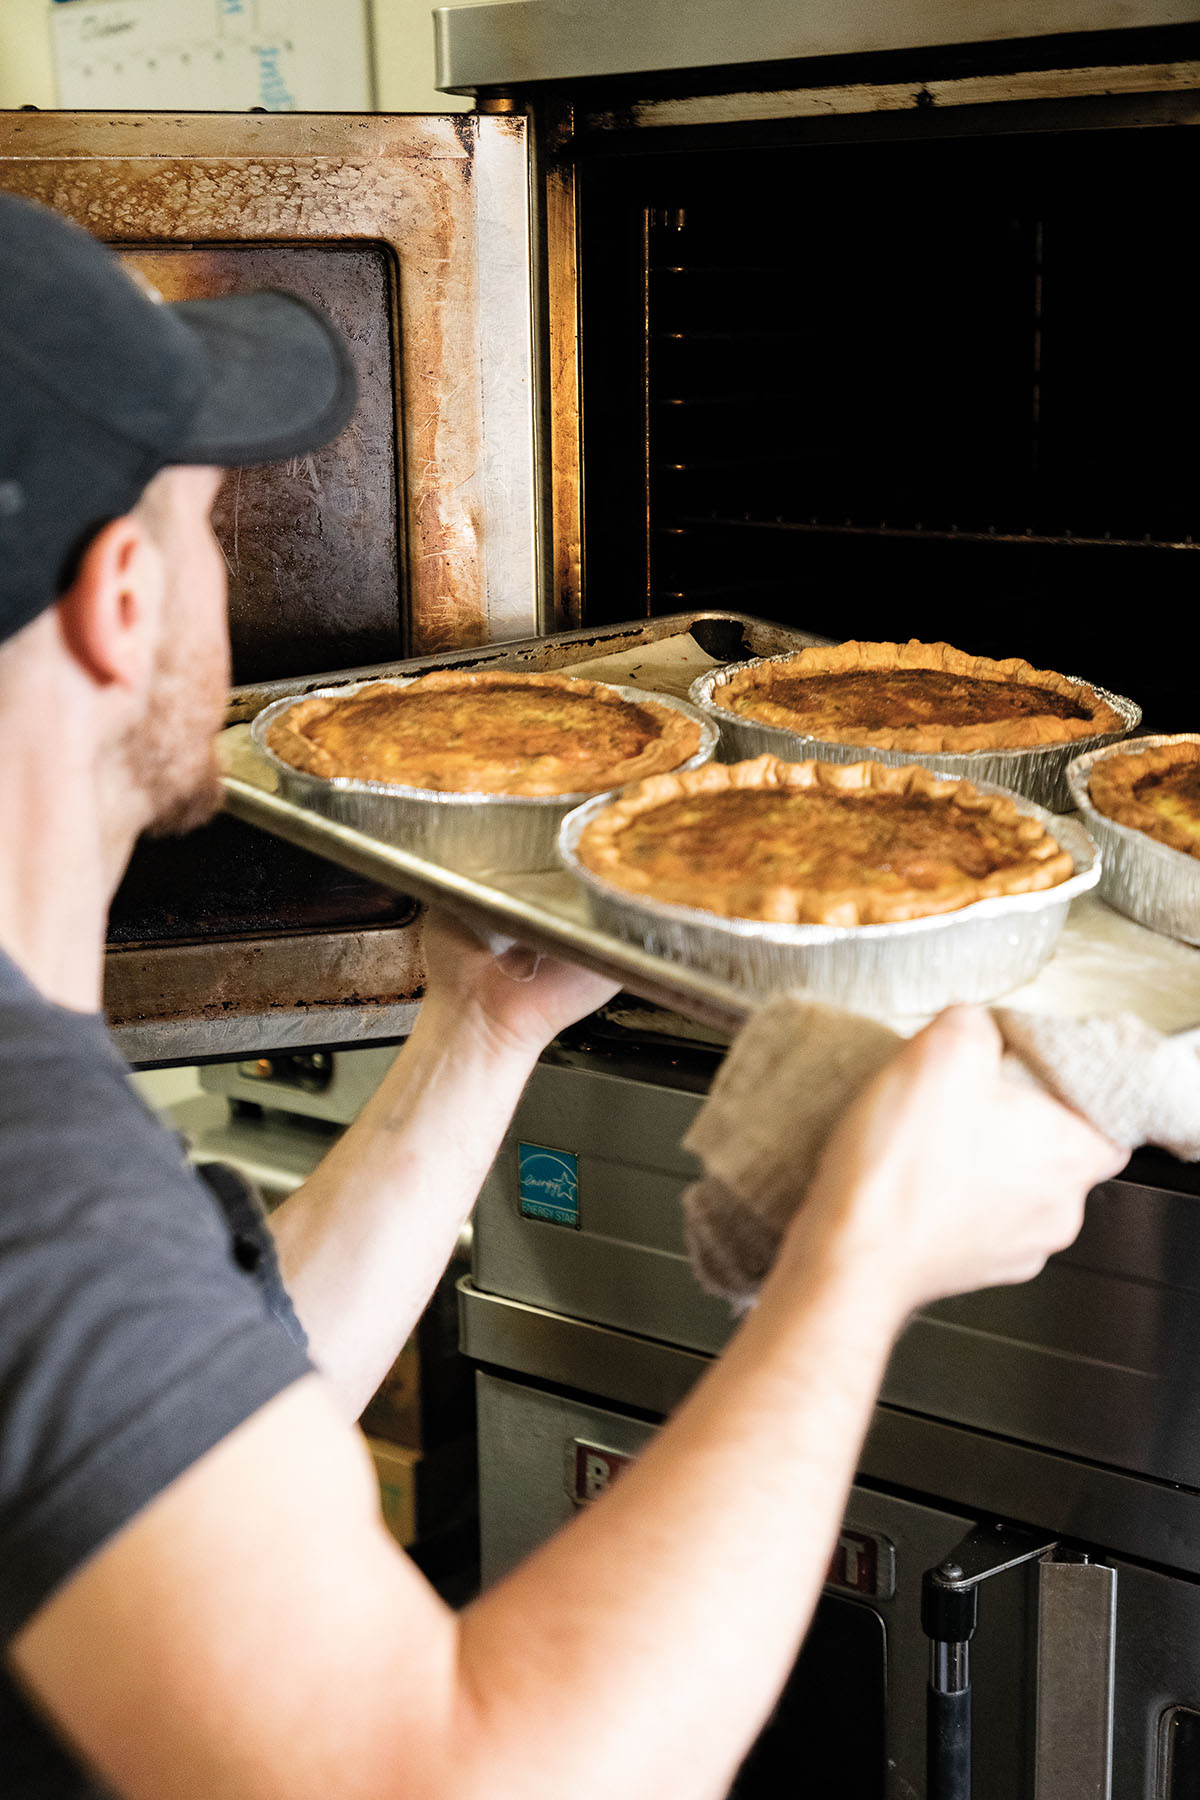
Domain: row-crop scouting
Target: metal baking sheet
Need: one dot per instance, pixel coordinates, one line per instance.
(478, 834)
(494, 913)
(1039, 771)
(975, 953)
(1103, 962)
(1151, 882)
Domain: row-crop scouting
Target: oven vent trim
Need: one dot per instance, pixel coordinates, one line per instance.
(783, 105)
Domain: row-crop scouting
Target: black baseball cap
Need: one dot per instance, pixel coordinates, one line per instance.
(102, 385)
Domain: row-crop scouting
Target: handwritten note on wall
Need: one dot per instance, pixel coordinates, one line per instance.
(213, 55)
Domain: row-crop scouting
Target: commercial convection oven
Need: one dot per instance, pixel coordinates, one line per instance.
(862, 321)
(880, 333)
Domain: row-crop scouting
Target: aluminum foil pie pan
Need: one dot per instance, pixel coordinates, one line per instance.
(1150, 882)
(1038, 771)
(476, 834)
(916, 966)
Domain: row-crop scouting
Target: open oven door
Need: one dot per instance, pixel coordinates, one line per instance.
(414, 532)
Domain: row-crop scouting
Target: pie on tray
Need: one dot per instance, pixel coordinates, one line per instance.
(497, 732)
(819, 843)
(1156, 791)
(918, 697)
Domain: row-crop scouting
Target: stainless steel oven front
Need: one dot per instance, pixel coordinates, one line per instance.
(1034, 1458)
(1062, 1708)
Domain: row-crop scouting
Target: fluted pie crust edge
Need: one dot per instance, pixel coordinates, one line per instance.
(747, 694)
(1040, 862)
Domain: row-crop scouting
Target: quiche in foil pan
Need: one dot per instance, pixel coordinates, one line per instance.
(1033, 763)
(1152, 882)
(472, 831)
(964, 952)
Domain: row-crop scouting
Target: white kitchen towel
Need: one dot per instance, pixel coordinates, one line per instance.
(797, 1064)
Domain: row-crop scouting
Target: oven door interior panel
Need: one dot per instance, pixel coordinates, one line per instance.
(413, 532)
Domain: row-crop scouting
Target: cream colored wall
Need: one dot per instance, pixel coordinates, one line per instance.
(404, 59)
(403, 56)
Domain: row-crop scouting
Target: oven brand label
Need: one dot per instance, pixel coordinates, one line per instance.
(549, 1184)
(863, 1564)
(591, 1470)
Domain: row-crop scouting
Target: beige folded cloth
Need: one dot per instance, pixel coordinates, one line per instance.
(796, 1065)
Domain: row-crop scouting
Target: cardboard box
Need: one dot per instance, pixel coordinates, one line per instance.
(427, 1398)
(424, 1493)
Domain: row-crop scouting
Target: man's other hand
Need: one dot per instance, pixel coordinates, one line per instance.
(953, 1170)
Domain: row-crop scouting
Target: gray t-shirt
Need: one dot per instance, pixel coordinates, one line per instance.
(141, 1320)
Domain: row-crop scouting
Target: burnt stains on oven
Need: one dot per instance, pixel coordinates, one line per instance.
(231, 921)
(229, 880)
(310, 543)
(371, 971)
(372, 548)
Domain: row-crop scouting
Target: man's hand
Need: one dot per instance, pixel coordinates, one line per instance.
(952, 1171)
(518, 1000)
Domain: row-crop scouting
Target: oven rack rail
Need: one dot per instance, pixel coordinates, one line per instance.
(953, 533)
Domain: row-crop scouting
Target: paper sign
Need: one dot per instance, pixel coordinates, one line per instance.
(212, 55)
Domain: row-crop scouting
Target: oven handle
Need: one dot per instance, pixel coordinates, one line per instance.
(949, 1612)
(1075, 1660)
(1077, 1618)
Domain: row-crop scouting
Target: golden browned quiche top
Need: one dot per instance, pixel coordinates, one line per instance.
(497, 732)
(1156, 791)
(819, 843)
(917, 696)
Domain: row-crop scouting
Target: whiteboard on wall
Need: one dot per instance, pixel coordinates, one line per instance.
(213, 55)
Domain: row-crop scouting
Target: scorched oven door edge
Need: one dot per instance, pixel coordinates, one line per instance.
(416, 533)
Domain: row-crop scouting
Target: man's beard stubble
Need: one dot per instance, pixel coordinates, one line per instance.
(170, 754)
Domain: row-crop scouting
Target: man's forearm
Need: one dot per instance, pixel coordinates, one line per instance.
(364, 1240)
(686, 1561)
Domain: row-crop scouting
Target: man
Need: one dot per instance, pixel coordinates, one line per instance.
(197, 1596)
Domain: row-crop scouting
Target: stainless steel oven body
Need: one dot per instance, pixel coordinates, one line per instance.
(1099, 1358)
(1061, 1710)
(1068, 1406)
(879, 323)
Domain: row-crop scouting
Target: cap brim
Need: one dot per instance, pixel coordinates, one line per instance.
(279, 379)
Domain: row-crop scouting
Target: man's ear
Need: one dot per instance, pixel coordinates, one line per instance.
(110, 614)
